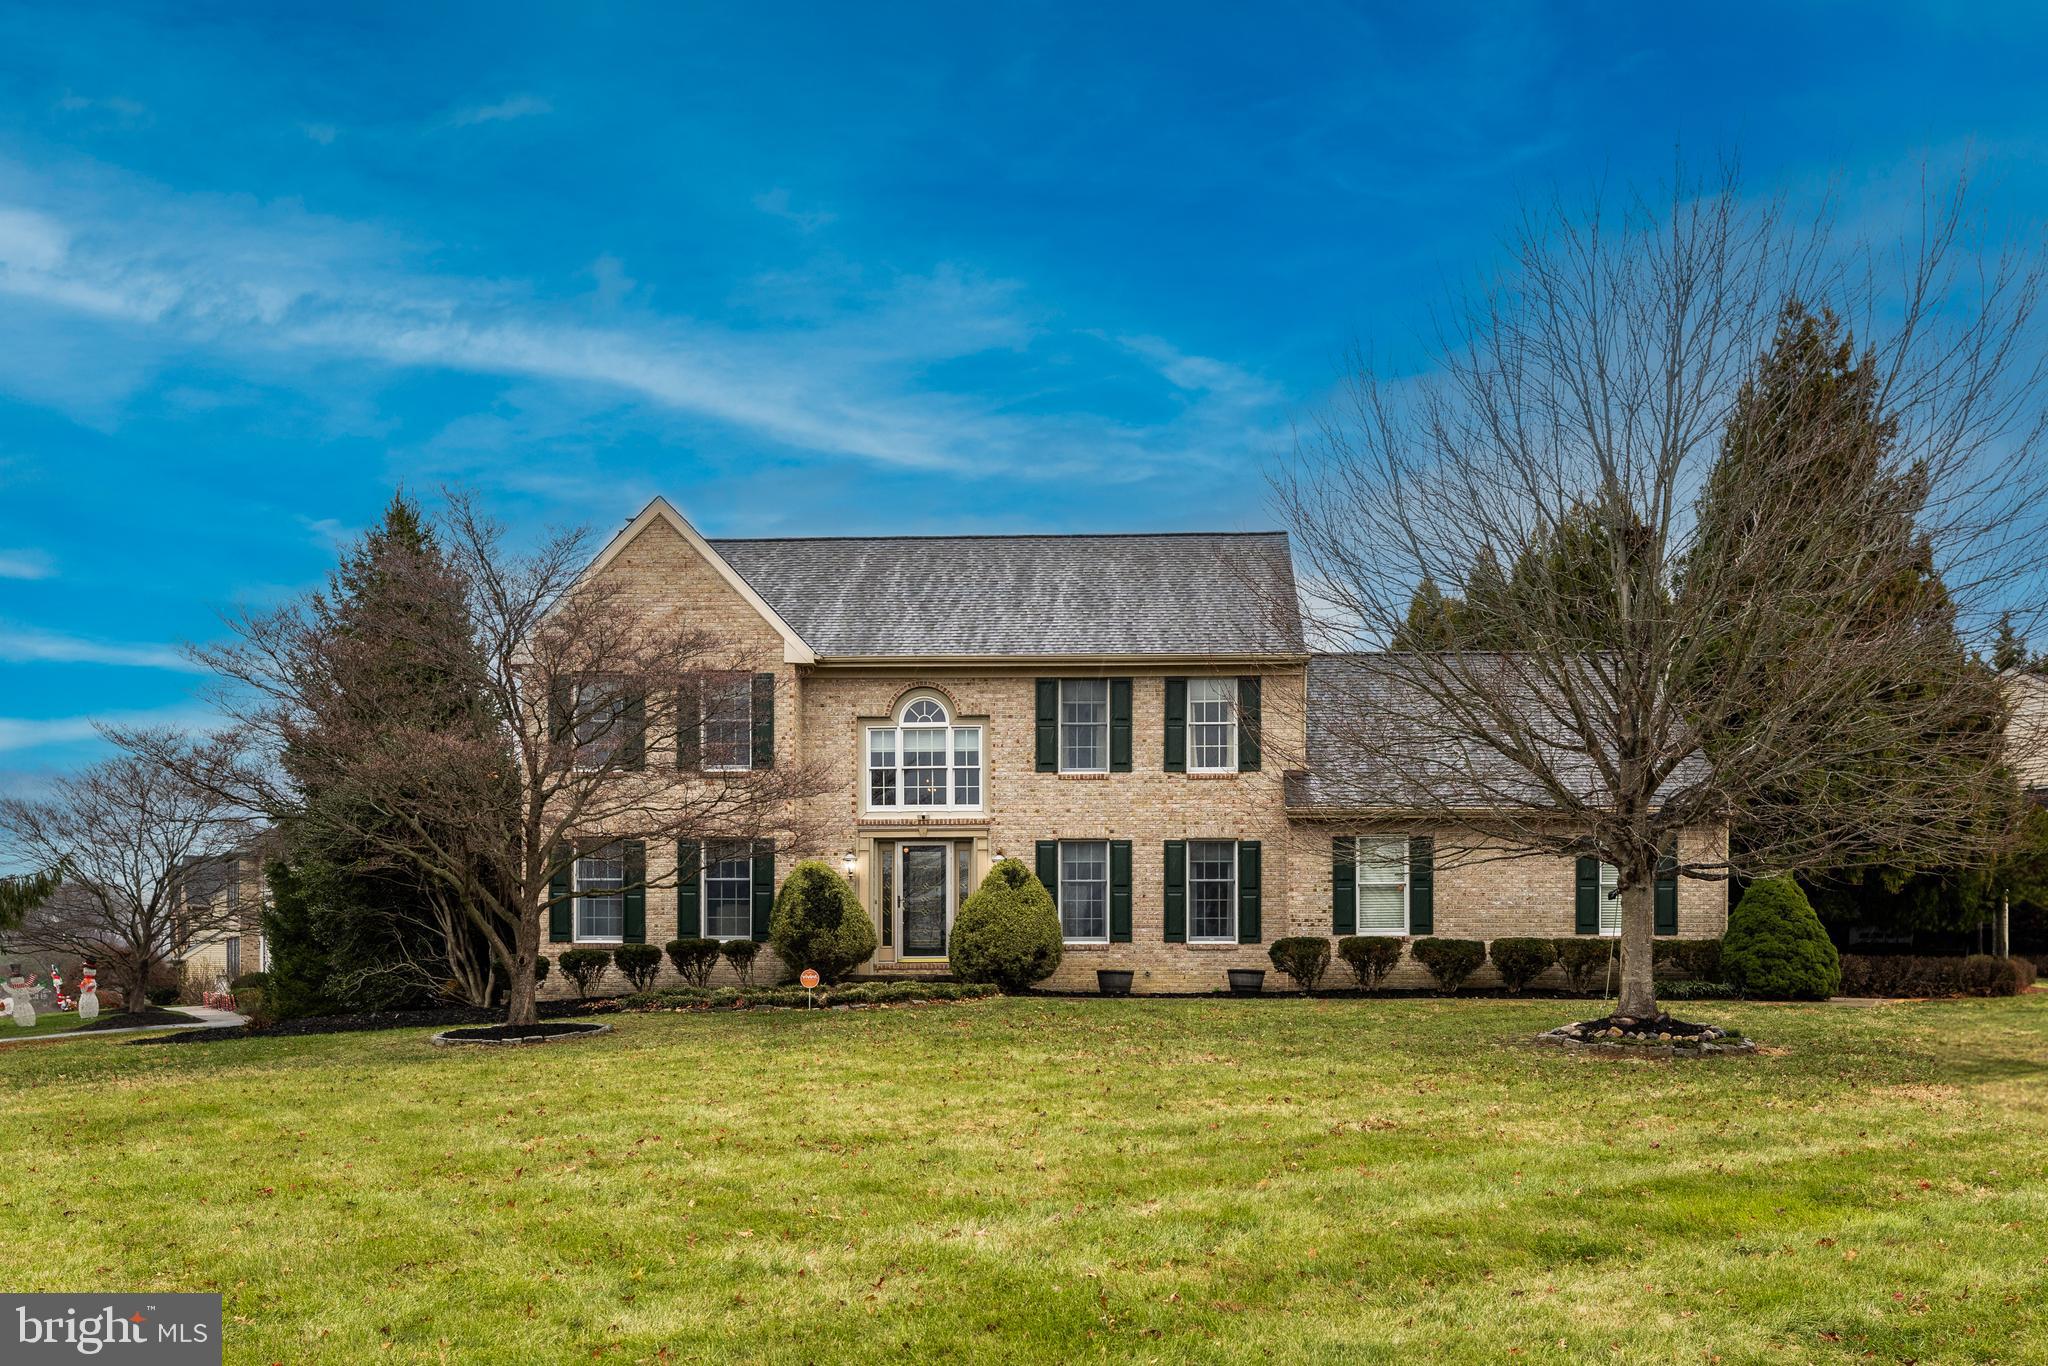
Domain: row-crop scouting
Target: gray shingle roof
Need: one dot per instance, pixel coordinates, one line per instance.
(1179, 593)
(1376, 739)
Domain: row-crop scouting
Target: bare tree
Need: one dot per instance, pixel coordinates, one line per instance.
(1679, 657)
(130, 836)
(590, 709)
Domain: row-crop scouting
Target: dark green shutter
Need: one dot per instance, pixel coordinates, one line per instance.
(1176, 891)
(1176, 725)
(1667, 890)
(1249, 929)
(764, 721)
(561, 900)
(1587, 900)
(1049, 867)
(1248, 719)
(764, 888)
(1422, 885)
(1119, 891)
(1048, 725)
(1119, 725)
(1343, 886)
(690, 723)
(689, 890)
(561, 708)
(636, 892)
(633, 743)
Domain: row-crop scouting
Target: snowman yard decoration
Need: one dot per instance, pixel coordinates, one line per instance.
(18, 989)
(88, 991)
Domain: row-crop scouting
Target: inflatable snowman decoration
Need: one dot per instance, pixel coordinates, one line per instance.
(18, 989)
(88, 992)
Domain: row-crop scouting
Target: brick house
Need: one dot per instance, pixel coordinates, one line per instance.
(233, 881)
(1131, 715)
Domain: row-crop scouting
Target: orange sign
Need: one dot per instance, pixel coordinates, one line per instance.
(809, 978)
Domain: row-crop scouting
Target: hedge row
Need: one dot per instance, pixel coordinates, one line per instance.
(855, 994)
(1981, 974)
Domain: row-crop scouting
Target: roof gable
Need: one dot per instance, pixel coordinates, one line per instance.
(795, 650)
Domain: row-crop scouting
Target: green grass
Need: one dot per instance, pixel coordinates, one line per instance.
(1332, 1180)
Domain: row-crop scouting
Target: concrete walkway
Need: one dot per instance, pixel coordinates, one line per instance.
(203, 1017)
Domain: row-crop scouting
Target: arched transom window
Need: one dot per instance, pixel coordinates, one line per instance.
(923, 760)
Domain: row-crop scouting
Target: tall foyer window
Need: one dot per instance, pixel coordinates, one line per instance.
(924, 760)
(1084, 725)
(1212, 725)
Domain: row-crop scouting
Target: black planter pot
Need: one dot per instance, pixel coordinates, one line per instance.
(1246, 981)
(1113, 981)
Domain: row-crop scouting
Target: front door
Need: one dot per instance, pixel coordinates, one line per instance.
(925, 898)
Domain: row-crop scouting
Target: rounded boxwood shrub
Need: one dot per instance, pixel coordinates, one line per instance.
(694, 959)
(1371, 957)
(1586, 961)
(819, 923)
(584, 968)
(741, 953)
(637, 963)
(1008, 932)
(1692, 960)
(541, 964)
(1450, 961)
(1775, 946)
(1304, 957)
(1521, 961)
(259, 980)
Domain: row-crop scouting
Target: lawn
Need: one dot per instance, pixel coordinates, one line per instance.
(1168, 1180)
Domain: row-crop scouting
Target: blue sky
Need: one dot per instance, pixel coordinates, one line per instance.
(802, 269)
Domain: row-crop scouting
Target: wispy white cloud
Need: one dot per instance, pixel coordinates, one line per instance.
(36, 732)
(835, 363)
(512, 107)
(32, 645)
(329, 533)
(776, 204)
(26, 564)
(322, 133)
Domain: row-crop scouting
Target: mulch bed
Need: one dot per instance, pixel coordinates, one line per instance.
(545, 1031)
(1656, 1036)
(395, 1019)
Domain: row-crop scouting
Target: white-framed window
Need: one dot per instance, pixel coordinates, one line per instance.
(1084, 725)
(1610, 904)
(600, 711)
(1084, 891)
(1212, 725)
(728, 722)
(1212, 891)
(728, 891)
(924, 761)
(601, 896)
(1382, 873)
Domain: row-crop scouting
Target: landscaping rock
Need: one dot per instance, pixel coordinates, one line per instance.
(1665, 1037)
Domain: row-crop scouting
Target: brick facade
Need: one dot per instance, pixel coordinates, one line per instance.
(822, 714)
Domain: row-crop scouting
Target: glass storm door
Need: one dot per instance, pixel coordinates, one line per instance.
(924, 900)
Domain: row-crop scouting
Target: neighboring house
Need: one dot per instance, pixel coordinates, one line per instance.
(234, 880)
(1121, 712)
(2027, 731)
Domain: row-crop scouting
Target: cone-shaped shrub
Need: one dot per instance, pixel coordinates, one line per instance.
(1775, 947)
(819, 923)
(1008, 932)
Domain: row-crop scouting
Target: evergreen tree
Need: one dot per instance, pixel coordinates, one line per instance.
(2009, 650)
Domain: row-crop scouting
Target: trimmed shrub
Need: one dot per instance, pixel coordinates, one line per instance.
(1694, 960)
(1303, 957)
(164, 995)
(741, 953)
(1585, 962)
(1450, 961)
(1685, 990)
(584, 968)
(819, 923)
(637, 963)
(1008, 932)
(259, 980)
(252, 1003)
(2028, 972)
(1371, 957)
(855, 994)
(1986, 974)
(1521, 961)
(1775, 947)
(541, 965)
(694, 959)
